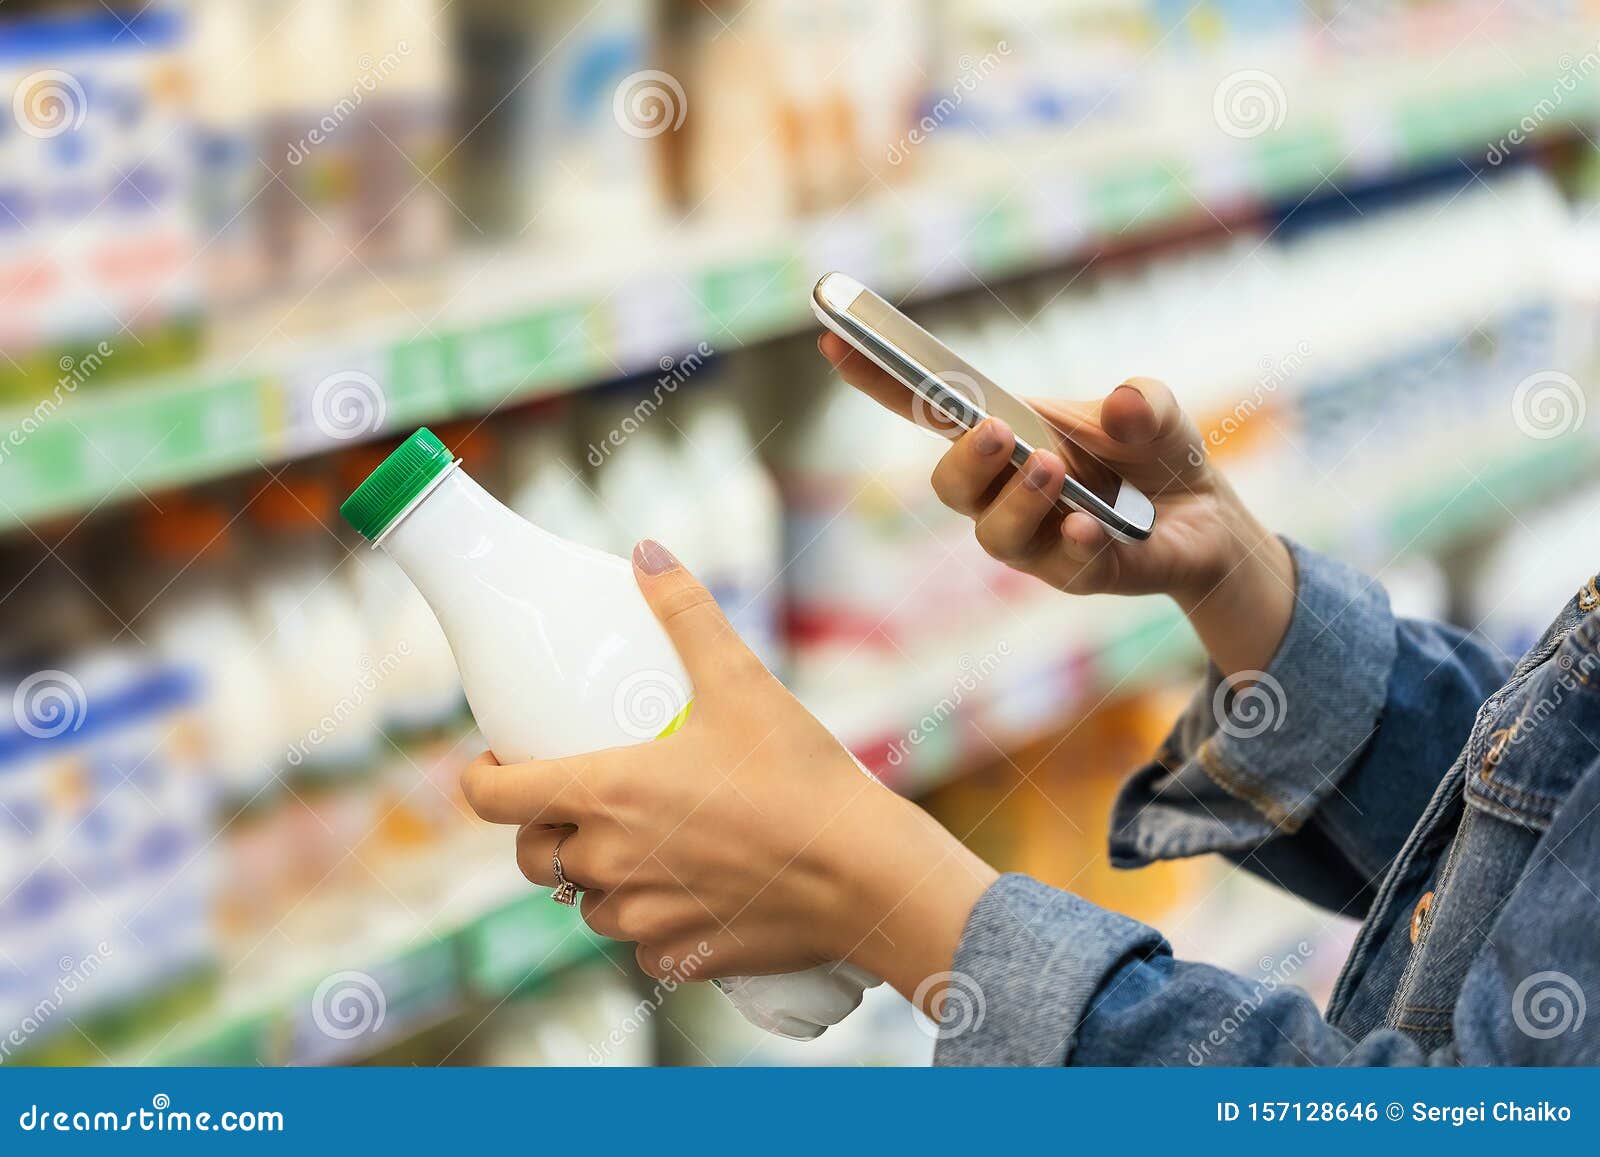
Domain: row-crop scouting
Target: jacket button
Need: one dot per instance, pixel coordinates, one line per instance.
(1419, 914)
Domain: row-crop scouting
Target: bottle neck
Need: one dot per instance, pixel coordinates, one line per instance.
(456, 518)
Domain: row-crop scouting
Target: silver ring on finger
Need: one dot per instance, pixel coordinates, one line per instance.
(566, 892)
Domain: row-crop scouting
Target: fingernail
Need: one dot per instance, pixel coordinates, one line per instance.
(1037, 474)
(653, 558)
(991, 436)
(1131, 389)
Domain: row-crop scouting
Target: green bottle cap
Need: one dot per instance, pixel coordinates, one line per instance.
(396, 483)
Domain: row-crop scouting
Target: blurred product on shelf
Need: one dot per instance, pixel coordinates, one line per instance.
(342, 112)
(741, 541)
(799, 111)
(97, 241)
(592, 78)
(590, 1016)
(1533, 568)
(720, 510)
(106, 848)
(554, 494)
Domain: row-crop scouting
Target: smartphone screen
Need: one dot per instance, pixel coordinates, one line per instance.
(939, 373)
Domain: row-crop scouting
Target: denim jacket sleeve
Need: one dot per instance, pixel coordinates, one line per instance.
(1314, 775)
(1047, 978)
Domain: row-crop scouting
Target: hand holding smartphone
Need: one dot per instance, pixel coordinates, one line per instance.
(945, 385)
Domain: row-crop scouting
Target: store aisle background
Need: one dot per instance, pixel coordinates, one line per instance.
(244, 246)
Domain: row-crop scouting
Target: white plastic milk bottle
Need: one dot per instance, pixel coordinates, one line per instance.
(559, 654)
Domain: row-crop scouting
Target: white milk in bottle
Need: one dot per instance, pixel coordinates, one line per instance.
(559, 654)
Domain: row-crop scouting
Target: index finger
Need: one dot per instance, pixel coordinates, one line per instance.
(857, 369)
(546, 791)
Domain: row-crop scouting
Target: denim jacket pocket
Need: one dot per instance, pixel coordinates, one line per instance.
(1528, 761)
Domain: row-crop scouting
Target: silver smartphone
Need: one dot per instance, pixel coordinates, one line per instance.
(963, 397)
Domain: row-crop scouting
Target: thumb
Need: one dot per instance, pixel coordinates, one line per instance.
(1141, 411)
(704, 639)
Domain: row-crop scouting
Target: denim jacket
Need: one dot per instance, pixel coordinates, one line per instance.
(1400, 771)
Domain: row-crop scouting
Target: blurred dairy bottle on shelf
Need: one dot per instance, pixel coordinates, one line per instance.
(641, 488)
(313, 634)
(741, 559)
(553, 495)
(559, 654)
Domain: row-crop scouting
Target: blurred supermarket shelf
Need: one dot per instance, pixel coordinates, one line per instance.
(525, 324)
(471, 933)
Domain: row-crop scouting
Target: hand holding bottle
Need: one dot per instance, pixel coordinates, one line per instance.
(1233, 578)
(748, 840)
